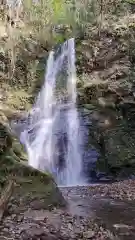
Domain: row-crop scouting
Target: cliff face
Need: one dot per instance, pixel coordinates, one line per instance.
(106, 89)
(105, 68)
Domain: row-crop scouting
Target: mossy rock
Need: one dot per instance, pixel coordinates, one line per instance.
(5, 138)
(32, 188)
(18, 149)
(40, 187)
(119, 150)
(31, 184)
(89, 106)
(9, 145)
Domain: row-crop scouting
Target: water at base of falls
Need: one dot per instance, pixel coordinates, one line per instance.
(51, 132)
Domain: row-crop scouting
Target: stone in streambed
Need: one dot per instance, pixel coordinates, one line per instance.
(89, 234)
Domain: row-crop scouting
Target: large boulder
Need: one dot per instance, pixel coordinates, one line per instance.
(34, 188)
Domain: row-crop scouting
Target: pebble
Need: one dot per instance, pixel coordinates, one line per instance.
(120, 225)
(89, 234)
(5, 230)
(61, 224)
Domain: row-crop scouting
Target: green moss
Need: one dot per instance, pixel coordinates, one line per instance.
(30, 184)
(38, 186)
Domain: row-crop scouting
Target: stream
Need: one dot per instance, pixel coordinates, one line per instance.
(92, 212)
(118, 216)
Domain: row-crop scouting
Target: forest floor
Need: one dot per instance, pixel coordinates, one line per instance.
(92, 212)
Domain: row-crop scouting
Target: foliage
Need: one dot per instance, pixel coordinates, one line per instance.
(130, 1)
(48, 23)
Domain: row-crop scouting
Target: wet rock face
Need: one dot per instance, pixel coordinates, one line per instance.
(132, 6)
(112, 139)
(107, 81)
(5, 138)
(62, 145)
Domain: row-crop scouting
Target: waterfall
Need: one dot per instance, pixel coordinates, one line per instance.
(51, 133)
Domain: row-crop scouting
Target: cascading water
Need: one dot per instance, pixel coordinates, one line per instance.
(51, 133)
